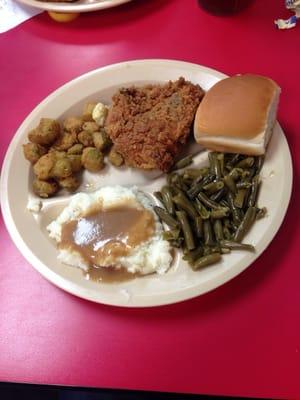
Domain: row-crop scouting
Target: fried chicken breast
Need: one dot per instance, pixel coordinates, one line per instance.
(149, 124)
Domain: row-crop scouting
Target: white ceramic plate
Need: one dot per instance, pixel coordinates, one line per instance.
(29, 234)
(79, 6)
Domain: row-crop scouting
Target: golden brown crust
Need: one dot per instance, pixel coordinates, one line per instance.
(149, 124)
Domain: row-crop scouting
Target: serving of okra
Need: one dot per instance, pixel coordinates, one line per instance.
(209, 210)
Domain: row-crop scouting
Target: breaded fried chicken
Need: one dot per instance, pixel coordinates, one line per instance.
(149, 124)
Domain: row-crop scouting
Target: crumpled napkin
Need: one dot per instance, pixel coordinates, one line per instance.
(293, 5)
(13, 14)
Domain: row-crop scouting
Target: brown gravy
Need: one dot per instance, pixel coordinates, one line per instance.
(101, 236)
(109, 275)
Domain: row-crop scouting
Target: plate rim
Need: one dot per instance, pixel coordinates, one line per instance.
(73, 7)
(76, 289)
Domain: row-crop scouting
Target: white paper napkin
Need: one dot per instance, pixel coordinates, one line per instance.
(13, 14)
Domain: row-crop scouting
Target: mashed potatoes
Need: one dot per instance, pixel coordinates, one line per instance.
(153, 255)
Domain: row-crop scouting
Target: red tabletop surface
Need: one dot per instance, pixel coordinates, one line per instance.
(240, 339)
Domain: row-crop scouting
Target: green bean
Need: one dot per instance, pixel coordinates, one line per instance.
(207, 260)
(218, 195)
(252, 172)
(172, 178)
(243, 185)
(208, 202)
(206, 250)
(236, 173)
(239, 199)
(166, 217)
(184, 162)
(233, 208)
(195, 189)
(172, 234)
(230, 183)
(177, 242)
(213, 187)
(246, 174)
(246, 224)
(214, 206)
(180, 183)
(236, 246)
(220, 158)
(207, 233)
(187, 231)
(185, 204)
(218, 230)
(259, 163)
(158, 195)
(224, 250)
(192, 173)
(226, 232)
(176, 190)
(192, 255)
(199, 226)
(215, 249)
(233, 161)
(261, 213)
(167, 200)
(204, 171)
(203, 212)
(245, 163)
(220, 213)
(254, 191)
(214, 165)
(224, 203)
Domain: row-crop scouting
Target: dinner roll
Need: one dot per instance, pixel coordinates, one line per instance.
(237, 115)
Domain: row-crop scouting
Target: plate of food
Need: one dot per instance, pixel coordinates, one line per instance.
(148, 182)
(73, 6)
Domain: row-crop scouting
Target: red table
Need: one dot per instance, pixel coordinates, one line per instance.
(241, 339)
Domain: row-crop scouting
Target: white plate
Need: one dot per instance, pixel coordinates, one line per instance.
(79, 6)
(180, 282)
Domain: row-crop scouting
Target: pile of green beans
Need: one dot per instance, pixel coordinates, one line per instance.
(209, 210)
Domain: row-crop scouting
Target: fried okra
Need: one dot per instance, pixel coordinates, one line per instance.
(46, 132)
(76, 163)
(92, 159)
(59, 152)
(44, 189)
(62, 168)
(101, 140)
(86, 138)
(33, 152)
(76, 149)
(87, 114)
(115, 158)
(42, 168)
(90, 127)
(65, 140)
(70, 183)
(73, 124)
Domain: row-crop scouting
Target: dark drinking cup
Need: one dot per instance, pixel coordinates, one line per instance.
(223, 7)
